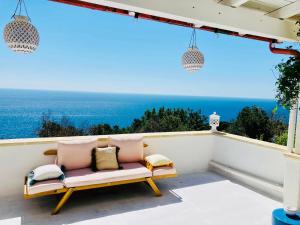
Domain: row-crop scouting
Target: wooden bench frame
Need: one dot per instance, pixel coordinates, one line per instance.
(68, 191)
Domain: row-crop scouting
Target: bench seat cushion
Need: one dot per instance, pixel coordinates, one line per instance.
(82, 177)
(165, 170)
(44, 186)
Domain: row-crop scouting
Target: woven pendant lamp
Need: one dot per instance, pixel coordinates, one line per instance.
(20, 35)
(192, 59)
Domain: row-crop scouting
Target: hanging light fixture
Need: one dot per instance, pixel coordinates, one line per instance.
(20, 35)
(192, 59)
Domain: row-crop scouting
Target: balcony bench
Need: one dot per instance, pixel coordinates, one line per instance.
(84, 179)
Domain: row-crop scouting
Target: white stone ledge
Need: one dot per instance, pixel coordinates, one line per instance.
(51, 140)
(266, 144)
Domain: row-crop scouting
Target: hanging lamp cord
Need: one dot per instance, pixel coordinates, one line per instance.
(193, 40)
(18, 10)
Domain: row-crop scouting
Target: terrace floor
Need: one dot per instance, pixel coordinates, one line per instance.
(200, 198)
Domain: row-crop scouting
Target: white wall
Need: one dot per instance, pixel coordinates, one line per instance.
(17, 161)
(190, 153)
(261, 159)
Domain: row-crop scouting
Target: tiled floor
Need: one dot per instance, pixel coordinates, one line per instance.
(196, 199)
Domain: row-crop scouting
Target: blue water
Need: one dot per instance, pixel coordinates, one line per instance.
(21, 110)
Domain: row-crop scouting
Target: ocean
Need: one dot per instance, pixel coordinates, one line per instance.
(21, 110)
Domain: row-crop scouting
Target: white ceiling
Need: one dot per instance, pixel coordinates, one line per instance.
(274, 19)
(282, 9)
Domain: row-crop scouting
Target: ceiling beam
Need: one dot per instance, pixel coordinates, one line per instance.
(287, 11)
(234, 3)
(208, 13)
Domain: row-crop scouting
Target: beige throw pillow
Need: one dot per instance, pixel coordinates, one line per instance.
(156, 160)
(105, 159)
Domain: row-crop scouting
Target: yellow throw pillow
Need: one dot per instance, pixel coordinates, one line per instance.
(105, 159)
(158, 160)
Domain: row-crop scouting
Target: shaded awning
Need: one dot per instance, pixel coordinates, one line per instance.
(272, 20)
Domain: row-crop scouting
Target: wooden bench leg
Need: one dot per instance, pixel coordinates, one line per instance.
(153, 186)
(62, 201)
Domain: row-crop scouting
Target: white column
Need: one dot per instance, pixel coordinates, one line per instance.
(297, 144)
(291, 186)
(291, 183)
(292, 128)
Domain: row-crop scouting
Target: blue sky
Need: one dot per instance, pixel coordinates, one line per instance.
(86, 50)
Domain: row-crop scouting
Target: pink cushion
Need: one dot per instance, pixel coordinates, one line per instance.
(165, 170)
(43, 186)
(131, 147)
(82, 177)
(75, 154)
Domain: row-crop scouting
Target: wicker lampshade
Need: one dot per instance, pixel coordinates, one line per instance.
(21, 36)
(192, 59)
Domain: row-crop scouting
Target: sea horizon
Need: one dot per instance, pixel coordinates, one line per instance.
(21, 110)
(136, 93)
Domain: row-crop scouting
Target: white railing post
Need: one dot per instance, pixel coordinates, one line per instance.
(292, 127)
(297, 143)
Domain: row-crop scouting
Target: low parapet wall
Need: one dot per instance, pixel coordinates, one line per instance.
(258, 158)
(190, 151)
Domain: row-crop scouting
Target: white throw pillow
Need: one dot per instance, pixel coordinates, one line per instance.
(45, 172)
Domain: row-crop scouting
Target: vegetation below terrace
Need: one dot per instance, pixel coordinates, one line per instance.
(251, 122)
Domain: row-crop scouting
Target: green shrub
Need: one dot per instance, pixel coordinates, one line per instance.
(282, 138)
(161, 120)
(287, 84)
(255, 123)
(251, 122)
(62, 128)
